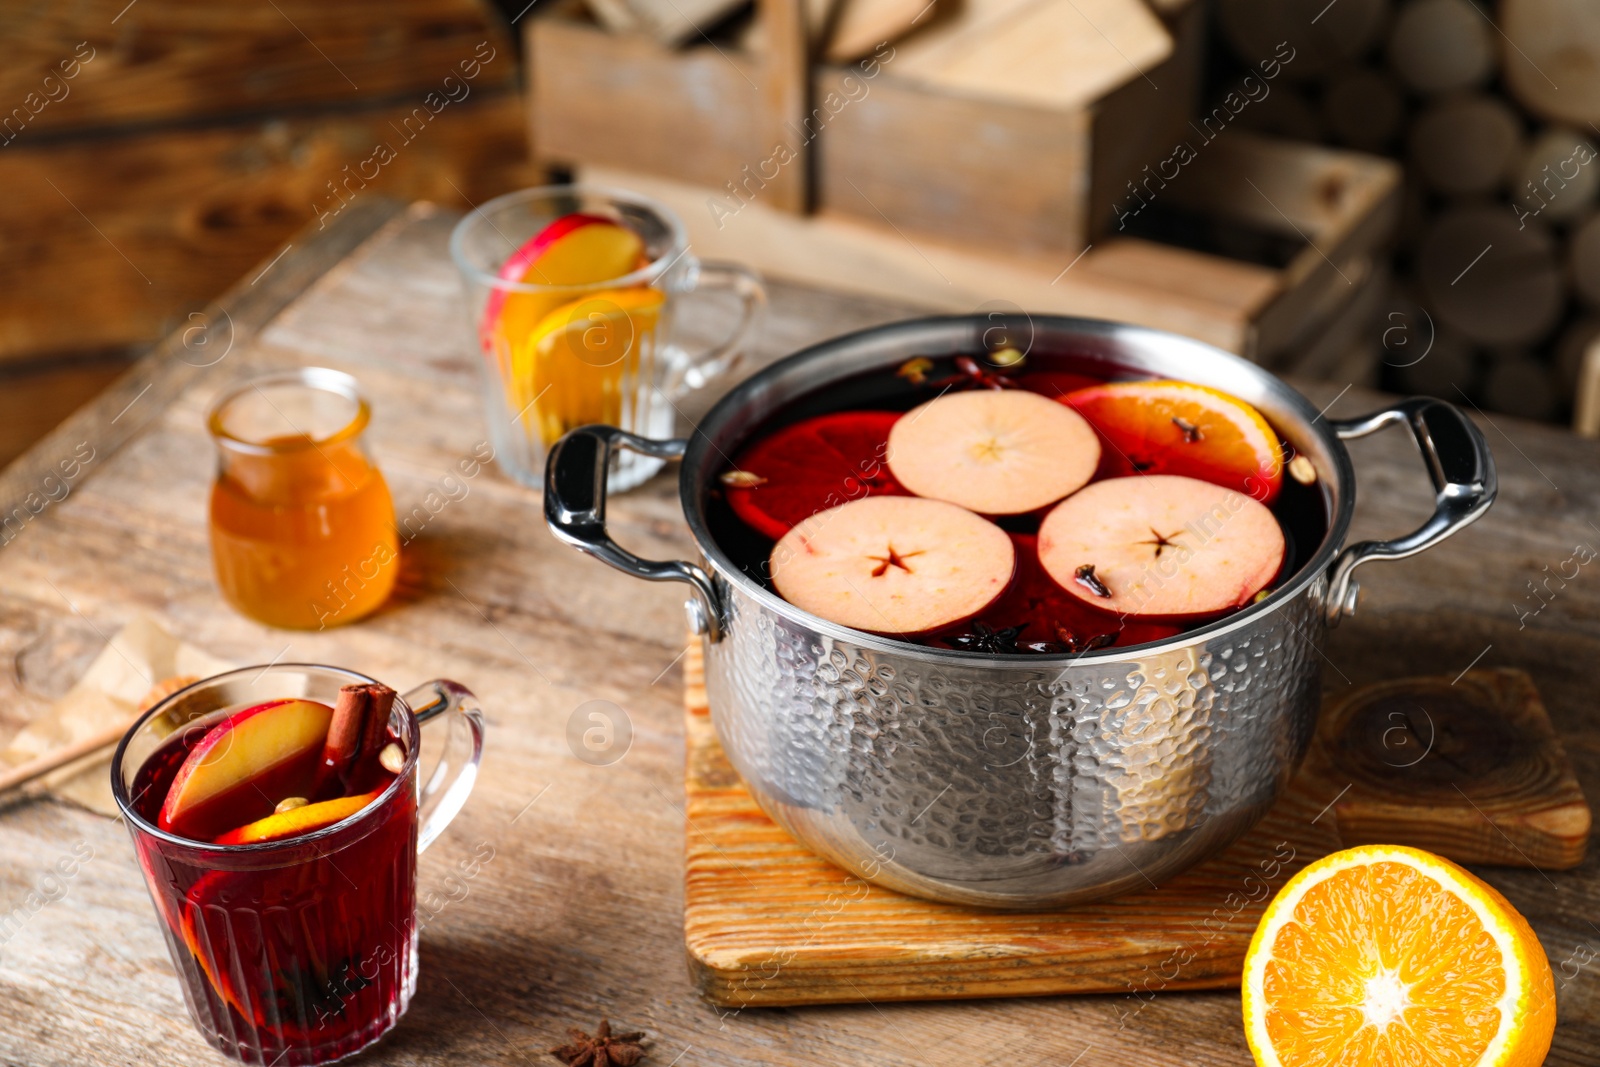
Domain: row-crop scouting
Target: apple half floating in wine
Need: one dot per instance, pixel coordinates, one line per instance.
(995, 452)
(1161, 546)
(893, 564)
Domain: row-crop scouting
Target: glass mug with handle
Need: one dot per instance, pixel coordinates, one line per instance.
(293, 948)
(571, 298)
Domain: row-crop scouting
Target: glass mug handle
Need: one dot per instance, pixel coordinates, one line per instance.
(690, 372)
(443, 793)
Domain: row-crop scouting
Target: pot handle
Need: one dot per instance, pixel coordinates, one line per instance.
(575, 511)
(1464, 485)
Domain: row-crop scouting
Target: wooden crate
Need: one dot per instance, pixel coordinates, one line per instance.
(927, 186)
(1033, 169)
(155, 151)
(1337, 207)
(704, 114)
(1003, 170)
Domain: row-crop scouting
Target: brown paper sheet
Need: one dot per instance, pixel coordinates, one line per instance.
(141, 654)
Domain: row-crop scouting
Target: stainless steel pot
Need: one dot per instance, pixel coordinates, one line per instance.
(1017, 781)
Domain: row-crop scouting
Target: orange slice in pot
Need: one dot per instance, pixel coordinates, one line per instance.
(1394, 957)
(1170, 427)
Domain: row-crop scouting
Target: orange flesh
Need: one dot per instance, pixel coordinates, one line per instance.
(1170, 427)
(295, 821)
(1382, 965)
(584, 361)
(586, 255)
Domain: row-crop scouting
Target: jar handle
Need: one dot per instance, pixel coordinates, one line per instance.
(575, 511)
(442, 795)
(1464, 485)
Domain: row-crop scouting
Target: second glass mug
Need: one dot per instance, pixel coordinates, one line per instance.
(614, 358)
(301, 950)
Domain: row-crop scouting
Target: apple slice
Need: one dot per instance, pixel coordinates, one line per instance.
(301, 820)
(575, 249)
(811, 466)
(244, 765)
(1170, 427)
(996, 452)
(1161, 546)
(893, 564)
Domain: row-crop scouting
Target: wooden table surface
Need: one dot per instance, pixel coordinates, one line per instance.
(578, 915)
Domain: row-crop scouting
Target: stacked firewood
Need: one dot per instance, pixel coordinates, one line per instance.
(1498, 263)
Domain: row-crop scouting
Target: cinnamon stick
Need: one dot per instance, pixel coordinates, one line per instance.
(345, 733)
(380, 702)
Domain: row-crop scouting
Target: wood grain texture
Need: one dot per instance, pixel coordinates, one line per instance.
(893, 153)
(578, 915)
(1469, 768)
(857, 27)
(35, 397)
(1063, 54)
(785, 65)
(159, 61)
(769, 923)
(614, 100)
(114, 241)
(1344, 205)
(738, 122)
(876, 235)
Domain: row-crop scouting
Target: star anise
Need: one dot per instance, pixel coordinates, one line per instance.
(983, 639)
(604, 1049)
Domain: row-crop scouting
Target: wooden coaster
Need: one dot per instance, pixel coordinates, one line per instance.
(768, 923)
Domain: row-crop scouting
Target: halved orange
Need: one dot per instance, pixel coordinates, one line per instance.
(1172, 427)
(1392, 956)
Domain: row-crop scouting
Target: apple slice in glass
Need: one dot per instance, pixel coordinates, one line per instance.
(575, 249)
(244, 765)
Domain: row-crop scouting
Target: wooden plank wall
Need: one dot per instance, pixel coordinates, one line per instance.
(153, 152)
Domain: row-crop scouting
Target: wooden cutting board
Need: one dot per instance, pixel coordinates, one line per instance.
(768, 923)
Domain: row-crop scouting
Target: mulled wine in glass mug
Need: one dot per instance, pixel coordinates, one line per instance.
(277, 813)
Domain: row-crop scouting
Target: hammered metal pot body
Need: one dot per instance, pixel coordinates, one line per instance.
(1020, 781)
(1010, 784)
(1012, 781)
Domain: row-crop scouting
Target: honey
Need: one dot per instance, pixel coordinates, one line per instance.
(302, 524)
